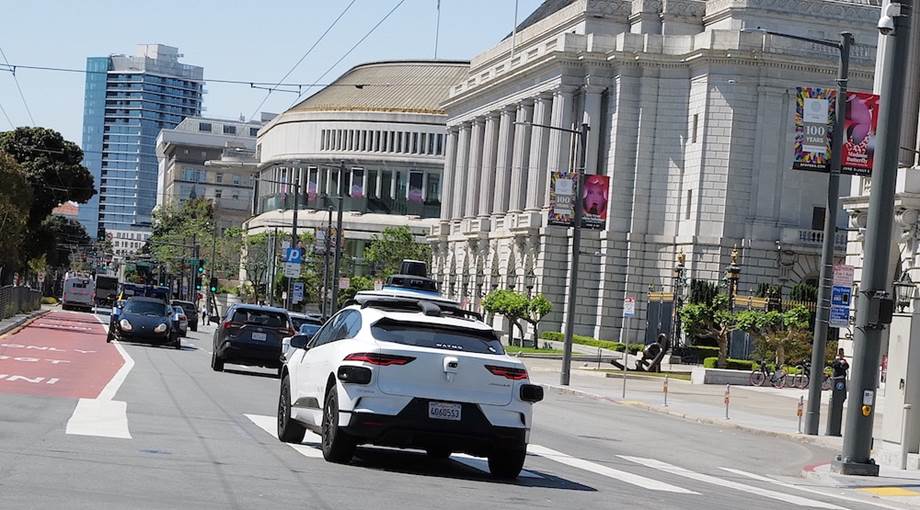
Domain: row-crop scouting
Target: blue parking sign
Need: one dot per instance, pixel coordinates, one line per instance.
(840, 306)
(293, 255)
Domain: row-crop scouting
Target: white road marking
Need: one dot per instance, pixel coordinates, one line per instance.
(309, 447)
(679, 471)
(616, 474)
(808, 489)
(102, 418)
(481, 464)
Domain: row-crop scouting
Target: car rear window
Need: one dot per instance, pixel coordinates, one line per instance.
(300, 321)
(423, 335)
(261, 317)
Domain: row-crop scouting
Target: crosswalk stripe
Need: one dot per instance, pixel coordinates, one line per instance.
(309, 447)
(481, 464)
(679, 471)
(616, 474)
(808, 489)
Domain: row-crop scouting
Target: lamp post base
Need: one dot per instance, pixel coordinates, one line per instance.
(843, 467)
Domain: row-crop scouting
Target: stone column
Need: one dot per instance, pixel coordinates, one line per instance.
(560, 142)
(460, 172)
(450, 165)
(520, 160)
(592, 117)
(503, 160)
(539, 151)
(487, 181)
(475, 168)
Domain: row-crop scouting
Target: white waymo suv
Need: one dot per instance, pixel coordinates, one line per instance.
(408, 372)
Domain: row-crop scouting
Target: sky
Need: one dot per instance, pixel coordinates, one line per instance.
(250, 40)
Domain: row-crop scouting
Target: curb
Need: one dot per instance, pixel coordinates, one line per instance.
(14, 328)
(706, 421)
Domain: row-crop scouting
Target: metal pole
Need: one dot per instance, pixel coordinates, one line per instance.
(565, 376)
(905, 448)
(822, 313)
(857, 439)
(325, 307)
(212, 298)
(289, 300)
(338, 254)
(437, 29)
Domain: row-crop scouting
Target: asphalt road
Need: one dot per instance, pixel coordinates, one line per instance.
(168, 432)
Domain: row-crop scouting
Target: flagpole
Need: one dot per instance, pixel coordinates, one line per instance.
(437, 29)
(514, 29)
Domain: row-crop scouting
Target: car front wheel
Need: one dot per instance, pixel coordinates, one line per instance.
(506, 464)
(289, 430)
(337, 445)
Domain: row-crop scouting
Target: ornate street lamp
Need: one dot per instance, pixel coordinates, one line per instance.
(732, 275)
(512, 280)
(480, 281)
(453, 282)
(904, 291)
(678, 296)
(530, 280)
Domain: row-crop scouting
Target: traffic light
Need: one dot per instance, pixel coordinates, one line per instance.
(199, 283)
(100, 235)
(201, 266)
(213, 285)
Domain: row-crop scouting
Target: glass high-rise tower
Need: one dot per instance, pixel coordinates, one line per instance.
(128, 100)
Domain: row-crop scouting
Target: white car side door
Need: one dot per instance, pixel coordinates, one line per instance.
(313, 365)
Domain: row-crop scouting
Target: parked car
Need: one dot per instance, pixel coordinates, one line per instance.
(251, 335)
(180, 320)
(143, 319)
(427, 376)
(303, 324)
(190, 311)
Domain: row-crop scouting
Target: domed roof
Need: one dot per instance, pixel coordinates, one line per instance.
(409, 86)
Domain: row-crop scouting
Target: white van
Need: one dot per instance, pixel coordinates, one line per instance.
(79, 293)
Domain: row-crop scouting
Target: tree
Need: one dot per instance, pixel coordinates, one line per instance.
(56, 238)
(53, 167)
(255, 263)
(508, 303)
(713, 320)
(779, 335)
(15, 199)
(537, 308)
(389, 248)
(357, 284)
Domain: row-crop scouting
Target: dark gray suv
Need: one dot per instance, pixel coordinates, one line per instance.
(251, 335)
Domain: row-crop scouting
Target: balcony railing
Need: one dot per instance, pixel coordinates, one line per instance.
(809, 237)
(430, 209)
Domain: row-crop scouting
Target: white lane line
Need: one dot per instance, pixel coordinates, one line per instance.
(481, 464)
(616, 474)
(103, 416)
(679, 471)
(309, 447)
(808, 489)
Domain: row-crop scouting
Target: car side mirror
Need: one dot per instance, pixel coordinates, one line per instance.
(300, 341)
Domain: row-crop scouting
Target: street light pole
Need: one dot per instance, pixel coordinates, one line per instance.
(873, 297)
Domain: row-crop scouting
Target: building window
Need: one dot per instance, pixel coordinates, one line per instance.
(694, 127)
(236, 195)
(414, 143)
(372, 183)
(219, 177)
(236, 180)
(229, 130)
(204, 127)
(399, 142)
(218, 193)
(433, 189)
(689, 204)
(253, 131)
(440, 143)
(817, 218)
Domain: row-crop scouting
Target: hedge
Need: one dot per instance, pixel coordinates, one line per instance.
(612, 345)
(696, 352)
(732, 364)
(49, 300)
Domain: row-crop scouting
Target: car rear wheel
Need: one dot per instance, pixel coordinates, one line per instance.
(506, 464)
(337, 445)
(217, 364)
(194, 327)
(289, 430)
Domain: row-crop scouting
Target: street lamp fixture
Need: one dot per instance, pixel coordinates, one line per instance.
(530, 279)
(512, 281)
(677, 299)
(904, 290)
(732, 275)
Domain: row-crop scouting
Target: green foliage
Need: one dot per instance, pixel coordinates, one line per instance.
(356, 284)
(56, 238)
(612, 345)
(516, 307)
(733, 364)
(388, 249)
(711, 320)
(778, 335)
(15, 198)
(804, 291)
(53, 167)
(702, 292)
(49, 300)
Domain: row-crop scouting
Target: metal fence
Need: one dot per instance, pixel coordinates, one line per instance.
(16, 300)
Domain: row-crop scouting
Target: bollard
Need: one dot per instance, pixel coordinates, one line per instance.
(598, 358)
(798, 411)
(904, 446)
(665, 388)
(728, 392)
(625, 361)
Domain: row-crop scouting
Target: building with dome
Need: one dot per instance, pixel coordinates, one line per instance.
(376, 136)
(690, 112)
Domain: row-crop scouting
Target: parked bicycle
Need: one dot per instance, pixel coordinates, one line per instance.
(803, 375)
(762, 374)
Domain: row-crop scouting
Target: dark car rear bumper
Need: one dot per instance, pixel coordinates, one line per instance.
(412, 428)
(246, 353)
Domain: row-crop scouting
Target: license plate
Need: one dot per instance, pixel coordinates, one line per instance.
(444, 411)
(258, 336)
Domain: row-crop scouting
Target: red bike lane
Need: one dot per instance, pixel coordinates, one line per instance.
(60, 354)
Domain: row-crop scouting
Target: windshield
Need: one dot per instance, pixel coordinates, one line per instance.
(422, 335)
(146, 308)
(261, 317)
(308, 329)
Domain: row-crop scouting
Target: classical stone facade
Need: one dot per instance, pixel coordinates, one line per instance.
(690, 116)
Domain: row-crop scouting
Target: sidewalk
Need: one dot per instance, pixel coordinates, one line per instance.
(892, 485)
(7, 325)
(754, 409)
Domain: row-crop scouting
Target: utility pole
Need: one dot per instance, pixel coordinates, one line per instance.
(212, 300)
(873, 300)
(289, 302)
(565, 376)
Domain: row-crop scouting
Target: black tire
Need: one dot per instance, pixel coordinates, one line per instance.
(177, 344)
(758, 378)
(801, 381)
(438, 452)
(289, 430)
(217, 364)
(506, 464)
(194, 327)
(778, 381)
(337, 446)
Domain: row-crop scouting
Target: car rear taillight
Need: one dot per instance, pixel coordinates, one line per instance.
(383, 360)
(229, 325)
(515, 374)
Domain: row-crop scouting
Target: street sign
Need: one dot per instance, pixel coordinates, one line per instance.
(292, 269)
(344, 282)
(841, 296)
(293, 255)
(297, 296)
(629, 307)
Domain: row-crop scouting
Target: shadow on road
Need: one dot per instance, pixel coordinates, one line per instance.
(269, 375)
(414, 463)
